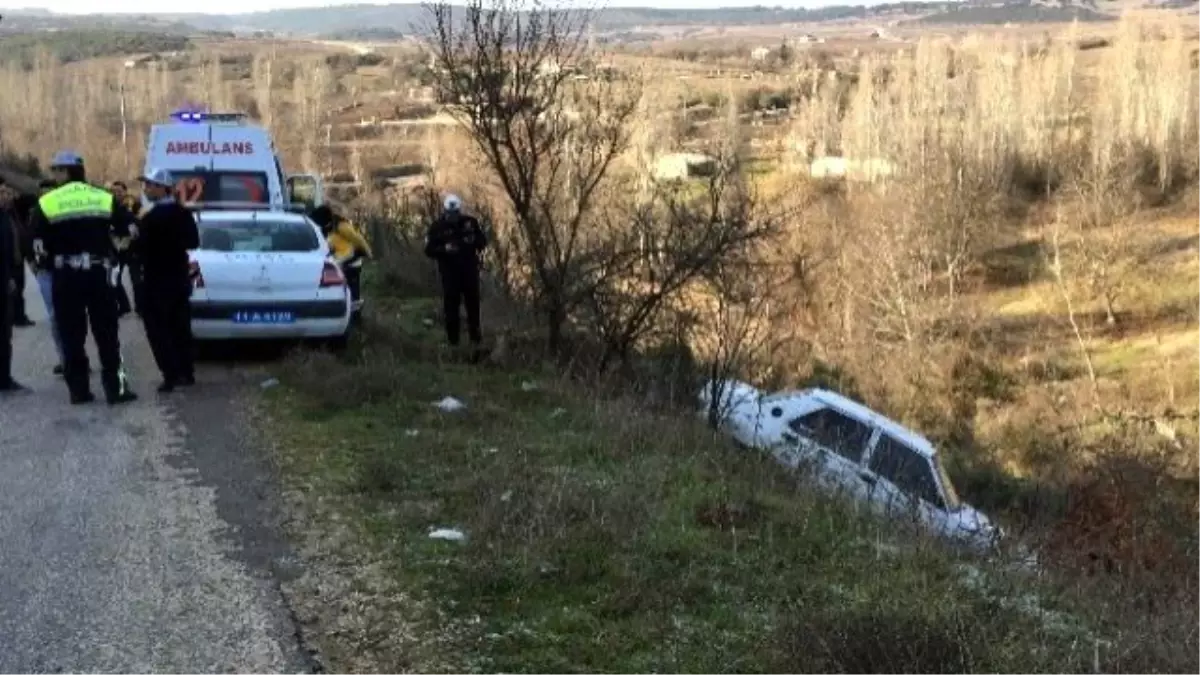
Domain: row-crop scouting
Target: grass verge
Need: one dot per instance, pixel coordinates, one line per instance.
(601, 537)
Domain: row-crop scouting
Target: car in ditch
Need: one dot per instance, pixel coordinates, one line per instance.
(851, 450)
(265, 273)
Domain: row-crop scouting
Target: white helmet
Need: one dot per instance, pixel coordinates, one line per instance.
(452, 203)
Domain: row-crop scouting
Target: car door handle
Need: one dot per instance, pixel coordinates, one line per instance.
(867, 477)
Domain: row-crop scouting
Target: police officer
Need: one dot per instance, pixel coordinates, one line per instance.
(455, 241)
(74, 227)
(10, 268)
(166, 232)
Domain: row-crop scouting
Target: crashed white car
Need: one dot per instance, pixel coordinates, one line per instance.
(853, 450)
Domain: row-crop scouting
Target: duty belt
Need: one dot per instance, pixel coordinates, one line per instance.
(81, 262)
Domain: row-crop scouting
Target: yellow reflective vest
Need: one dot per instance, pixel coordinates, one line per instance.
(75, 201)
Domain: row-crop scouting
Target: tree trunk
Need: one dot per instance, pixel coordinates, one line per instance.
(556, 316)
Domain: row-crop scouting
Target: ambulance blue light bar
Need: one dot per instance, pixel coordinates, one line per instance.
(195, 117)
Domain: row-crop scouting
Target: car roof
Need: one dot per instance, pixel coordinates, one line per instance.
(835, 400)
(251, 215)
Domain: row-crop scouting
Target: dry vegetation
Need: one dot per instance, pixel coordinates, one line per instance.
(1018, 282)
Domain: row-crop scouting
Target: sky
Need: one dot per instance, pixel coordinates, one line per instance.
(243, 6)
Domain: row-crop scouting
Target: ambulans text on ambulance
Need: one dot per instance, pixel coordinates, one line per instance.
(210, 148)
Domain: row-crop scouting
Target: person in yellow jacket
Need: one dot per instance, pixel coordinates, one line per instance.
(348, 247)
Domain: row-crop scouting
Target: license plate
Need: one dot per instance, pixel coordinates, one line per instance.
(263, 316)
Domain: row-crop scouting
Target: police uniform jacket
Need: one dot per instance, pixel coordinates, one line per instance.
(455, 239)
(78, 218)
(166, 232)
(10, 255)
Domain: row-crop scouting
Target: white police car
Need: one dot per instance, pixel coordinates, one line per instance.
(265, 274)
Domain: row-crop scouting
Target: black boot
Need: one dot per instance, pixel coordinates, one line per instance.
(123, 397)
(115, 389)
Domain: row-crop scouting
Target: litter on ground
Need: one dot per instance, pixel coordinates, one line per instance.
(450, 404)
(447, 534)
(412, 432)
(529, 386)
(268, 383)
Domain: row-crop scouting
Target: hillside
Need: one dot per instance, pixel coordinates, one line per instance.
(1015, 13)
(409, 17)
(72, 45)
(25, 21)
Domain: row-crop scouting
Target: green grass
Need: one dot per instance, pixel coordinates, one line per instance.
(602, 537)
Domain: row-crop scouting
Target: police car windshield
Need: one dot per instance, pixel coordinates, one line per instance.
(221, 186)
(261, 235)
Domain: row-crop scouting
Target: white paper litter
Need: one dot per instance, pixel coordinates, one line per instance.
(529, 386)
(412, 432)
(268, 383)
(447, 534)
(450, 404)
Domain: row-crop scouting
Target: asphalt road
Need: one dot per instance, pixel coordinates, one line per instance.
(141, 538)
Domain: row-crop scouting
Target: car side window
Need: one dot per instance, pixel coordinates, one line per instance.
(905, 468)
(831, 429)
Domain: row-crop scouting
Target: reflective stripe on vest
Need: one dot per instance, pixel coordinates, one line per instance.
(76, 200)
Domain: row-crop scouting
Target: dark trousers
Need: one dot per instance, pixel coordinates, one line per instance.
(460, 288)
(167, 316)
(354, 282)
(135, 279)
(18, 297)
(83, 297)
(6, 330)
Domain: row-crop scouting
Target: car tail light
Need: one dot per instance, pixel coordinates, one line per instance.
(331, 276)
(195, 275)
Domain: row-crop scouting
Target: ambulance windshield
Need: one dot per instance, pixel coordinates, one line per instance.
(221, 186)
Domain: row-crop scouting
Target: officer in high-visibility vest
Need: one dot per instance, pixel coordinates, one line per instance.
(74, 229)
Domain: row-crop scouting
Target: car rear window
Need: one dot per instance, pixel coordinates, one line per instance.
(259, 236)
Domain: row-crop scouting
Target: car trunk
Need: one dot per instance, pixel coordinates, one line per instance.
(260, 276)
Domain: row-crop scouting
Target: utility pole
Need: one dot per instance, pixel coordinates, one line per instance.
(124, 123)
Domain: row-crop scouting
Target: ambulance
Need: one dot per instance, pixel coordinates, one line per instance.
(220, 158)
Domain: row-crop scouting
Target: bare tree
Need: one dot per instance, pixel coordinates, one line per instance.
(1104, 249)
(651, 258)
(263, 74)
(549, 138)
(734, 333)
